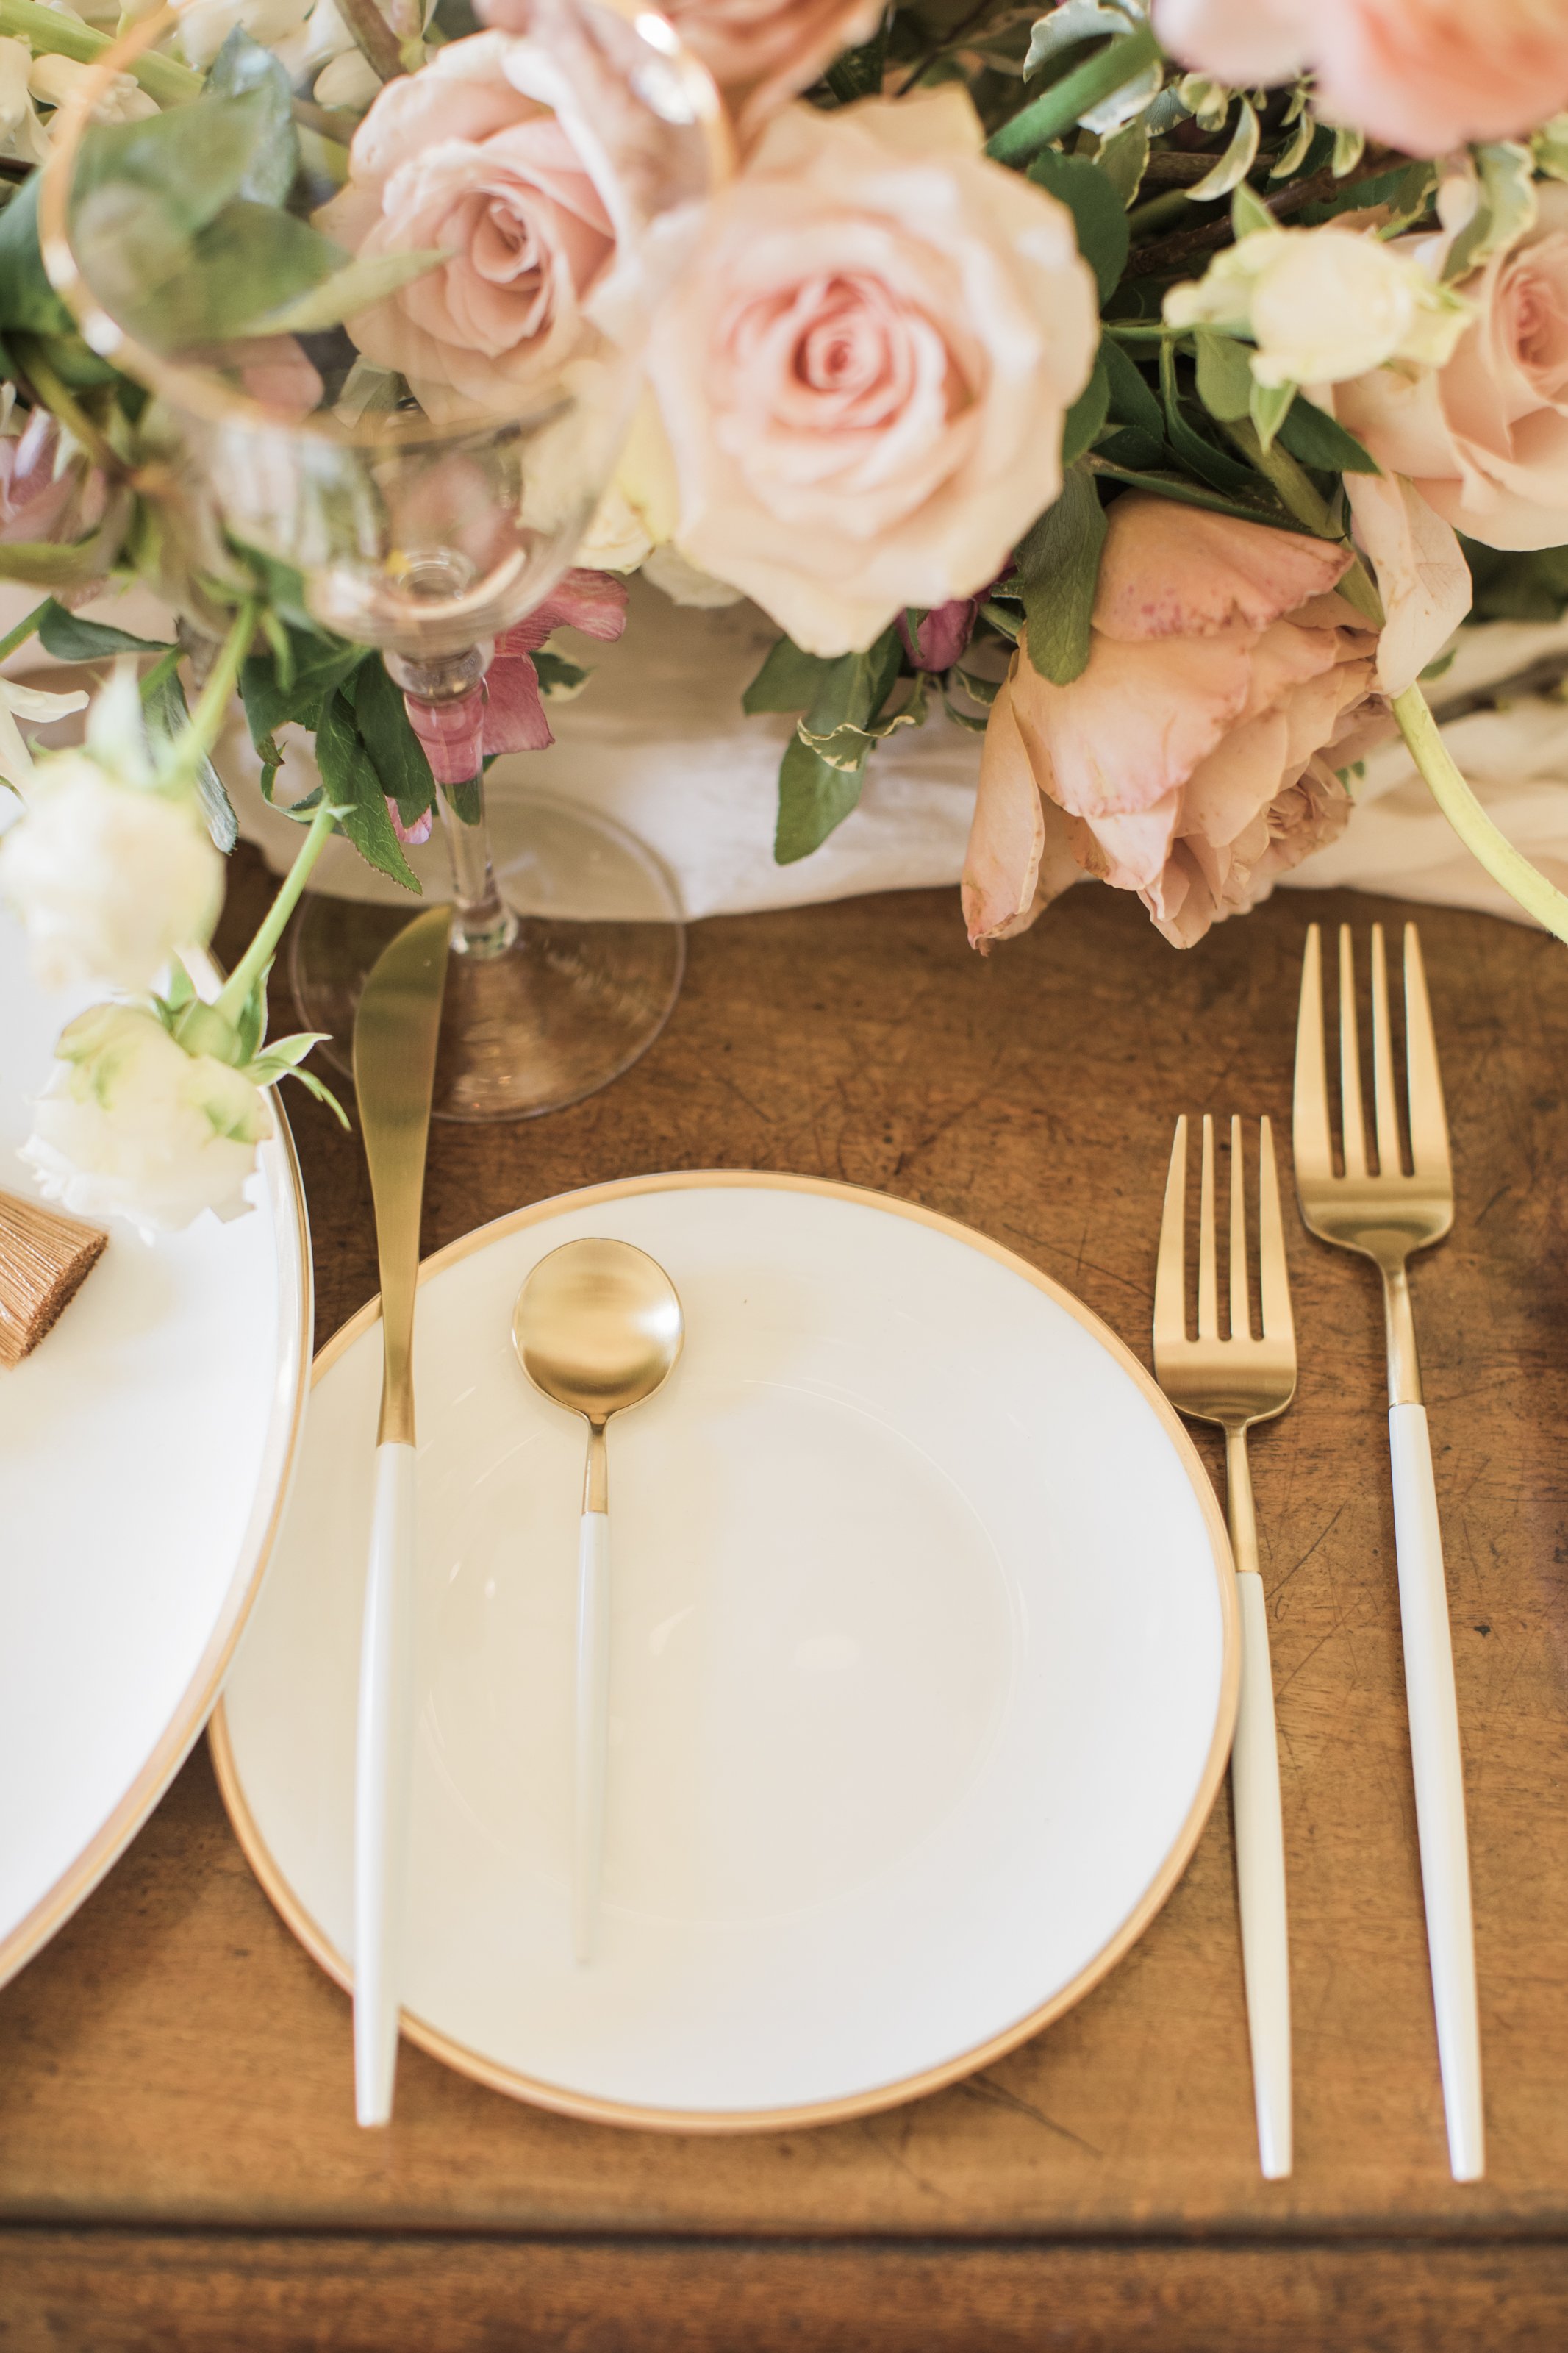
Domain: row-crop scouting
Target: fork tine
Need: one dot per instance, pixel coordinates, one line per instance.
(1428, 1121)
(1170, 1268)
(1273, 1274)
(1388, 1159)
(1240, 1314)
(1209, 1288)
(1350, 1122)
(1310, 1140)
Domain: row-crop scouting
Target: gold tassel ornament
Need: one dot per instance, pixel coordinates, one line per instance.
(45, 1259)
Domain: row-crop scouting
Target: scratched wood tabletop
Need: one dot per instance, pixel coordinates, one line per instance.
(179, 2167)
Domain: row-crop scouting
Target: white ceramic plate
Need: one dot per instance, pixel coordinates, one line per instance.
(923, 1675)
(145, 1449)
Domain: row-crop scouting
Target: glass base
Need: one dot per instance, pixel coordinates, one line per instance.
(582, 990)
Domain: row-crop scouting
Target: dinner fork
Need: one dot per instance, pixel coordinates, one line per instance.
(1235, 1382)
(1386, 1214)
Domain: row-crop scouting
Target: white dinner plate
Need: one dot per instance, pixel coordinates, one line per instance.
(923, 1675)
(146, 1447)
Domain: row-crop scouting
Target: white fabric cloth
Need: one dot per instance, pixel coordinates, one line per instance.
(658, 742)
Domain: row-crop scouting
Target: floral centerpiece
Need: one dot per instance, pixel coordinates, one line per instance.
(1149, 394)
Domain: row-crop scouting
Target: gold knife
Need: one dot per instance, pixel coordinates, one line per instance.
(396, 1031)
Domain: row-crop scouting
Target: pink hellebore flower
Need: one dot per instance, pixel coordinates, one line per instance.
(1195, 758)
(506, 712)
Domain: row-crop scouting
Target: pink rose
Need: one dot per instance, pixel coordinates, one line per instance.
(1194, 761)
(760, 52)
(466, 157)
(1422, 75)
(505, 713)
(864, 371)
(1485, 438)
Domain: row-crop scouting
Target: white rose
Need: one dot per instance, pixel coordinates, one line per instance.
(131, 1126)
(637, 513)
(205, 25)
(54, 78)
(22, 135)
(1321, 304)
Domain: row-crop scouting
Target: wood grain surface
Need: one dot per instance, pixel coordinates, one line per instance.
(178, 2161)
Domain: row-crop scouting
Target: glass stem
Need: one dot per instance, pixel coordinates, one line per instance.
(484, 925)
(444, 699)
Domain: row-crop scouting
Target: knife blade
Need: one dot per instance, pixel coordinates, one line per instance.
(395, 1034)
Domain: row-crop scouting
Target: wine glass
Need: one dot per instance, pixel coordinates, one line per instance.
(425, 521)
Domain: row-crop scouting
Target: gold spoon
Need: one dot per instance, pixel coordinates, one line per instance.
(598, 1328)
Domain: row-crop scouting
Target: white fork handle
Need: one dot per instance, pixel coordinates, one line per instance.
(1261, 1879)
(1439, 1784)
(592, 1728)
(384, 1772)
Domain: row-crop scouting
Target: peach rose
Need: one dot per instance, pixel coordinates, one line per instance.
(863, 373)
(467, 157)
(1485, 438)
(1193, 760)
(1422, 75)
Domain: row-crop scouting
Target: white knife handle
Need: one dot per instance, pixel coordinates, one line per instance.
(1435, 1757)
(1260, 1878)
(384, 1775)
(593, 1728)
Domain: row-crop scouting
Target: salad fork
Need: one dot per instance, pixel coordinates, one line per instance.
(1236, 1381)
(1386, 1214)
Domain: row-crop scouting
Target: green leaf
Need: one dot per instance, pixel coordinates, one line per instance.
(1059, 563)
(1131, 398)
(1234, 165)
(1192, 494)
(351, 778)
(347, 292)
(1132, 451)
(1086, 415)
(168, 718)
(852, 690)
(299, 690)
(560, 681)
(1249, 213)
(40, 564)
(243, 272)
(1123, 157)
(1225, 376)
(1270, 406)
(1096, 209)
(813, 797)
(242, 65)
(400, 758)
(172, 171)
(1209, 464)
(787, 680)
(858, 73)
(72, 640)
(1505, 209)
(27, 301)
(1319, 440)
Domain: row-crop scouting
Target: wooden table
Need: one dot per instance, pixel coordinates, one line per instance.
(179, 2167)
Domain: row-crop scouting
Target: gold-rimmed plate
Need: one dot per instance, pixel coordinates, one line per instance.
(924, 1665)
(146, 1448)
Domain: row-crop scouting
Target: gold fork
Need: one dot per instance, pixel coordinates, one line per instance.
(1385, 1213)
(1235, 1382)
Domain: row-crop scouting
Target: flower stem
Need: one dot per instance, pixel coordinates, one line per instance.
(1484, 840)
(48, 33)
(236, 989)
(1122, 60)
(24, 629)
(212, 704)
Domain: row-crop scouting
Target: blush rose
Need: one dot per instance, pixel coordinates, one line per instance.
(864, 372)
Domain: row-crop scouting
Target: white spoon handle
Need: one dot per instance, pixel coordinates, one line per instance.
(593, 1728)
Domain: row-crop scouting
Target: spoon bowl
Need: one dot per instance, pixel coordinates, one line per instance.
(597, 1327)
